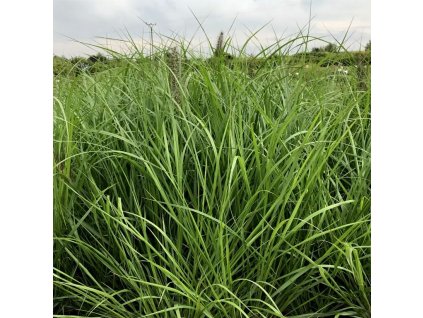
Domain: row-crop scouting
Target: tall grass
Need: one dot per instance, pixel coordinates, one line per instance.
(239, 195)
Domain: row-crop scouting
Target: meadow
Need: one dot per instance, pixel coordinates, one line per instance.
(229, 186)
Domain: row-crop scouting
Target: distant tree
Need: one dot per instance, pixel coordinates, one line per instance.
(76, 60)
(330, 47)
(97, 58)
(368, 46)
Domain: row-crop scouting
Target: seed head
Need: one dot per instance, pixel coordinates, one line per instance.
(219, 45)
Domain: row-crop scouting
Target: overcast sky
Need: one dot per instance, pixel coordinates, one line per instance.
(87, 20)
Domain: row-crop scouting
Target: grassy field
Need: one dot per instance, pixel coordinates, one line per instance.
(186, 187)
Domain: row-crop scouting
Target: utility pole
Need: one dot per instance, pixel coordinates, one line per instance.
(151, 25)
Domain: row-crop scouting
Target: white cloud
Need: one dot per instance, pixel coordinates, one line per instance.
(107, 9)
(84, 20)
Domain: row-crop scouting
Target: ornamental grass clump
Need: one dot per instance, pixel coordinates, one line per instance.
(211, 192)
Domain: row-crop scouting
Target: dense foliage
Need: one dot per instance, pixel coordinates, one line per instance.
(96, 63)
(200, 188)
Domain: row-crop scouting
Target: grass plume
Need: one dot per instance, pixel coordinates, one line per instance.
(219, 49)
